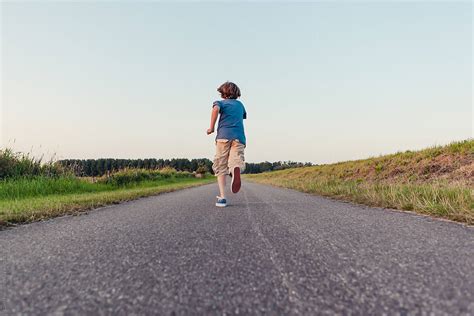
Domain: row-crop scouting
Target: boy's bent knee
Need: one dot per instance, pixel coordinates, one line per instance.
(237, 156)
(220, 166)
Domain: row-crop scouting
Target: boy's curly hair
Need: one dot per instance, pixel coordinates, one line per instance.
(229, 90)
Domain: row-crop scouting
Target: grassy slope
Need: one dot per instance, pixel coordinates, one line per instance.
(437, 181)
(40, 198)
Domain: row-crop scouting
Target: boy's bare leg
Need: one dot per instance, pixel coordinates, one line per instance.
(221, 182)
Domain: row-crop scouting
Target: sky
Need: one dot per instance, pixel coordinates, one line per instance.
(321, 81)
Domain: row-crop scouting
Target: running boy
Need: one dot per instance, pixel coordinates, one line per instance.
(230, 139)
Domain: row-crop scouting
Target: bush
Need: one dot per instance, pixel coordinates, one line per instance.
(202, 170)
(16, 165)
(134, 176)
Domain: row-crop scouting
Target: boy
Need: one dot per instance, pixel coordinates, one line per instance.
(230, 139)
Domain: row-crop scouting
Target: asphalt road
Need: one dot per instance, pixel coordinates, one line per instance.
(272, 251)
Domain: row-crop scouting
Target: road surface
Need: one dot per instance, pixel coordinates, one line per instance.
(272, 251)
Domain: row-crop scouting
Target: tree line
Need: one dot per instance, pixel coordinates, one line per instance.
(274, 166)
(100, 167)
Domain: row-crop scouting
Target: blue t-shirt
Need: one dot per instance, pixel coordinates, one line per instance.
(231, 120)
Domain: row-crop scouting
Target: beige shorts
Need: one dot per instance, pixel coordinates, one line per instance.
(229, 154)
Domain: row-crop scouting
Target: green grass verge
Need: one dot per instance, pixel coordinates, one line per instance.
(451, 202)
(436, 181)
(28, 187)
(31, 186)
(31, 206)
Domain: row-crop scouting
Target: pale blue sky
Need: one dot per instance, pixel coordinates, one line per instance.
(321, 81)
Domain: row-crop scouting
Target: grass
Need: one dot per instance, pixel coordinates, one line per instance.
(31, 189)
(28, 187)
(28, 199)
(14, 165)
(437, 181)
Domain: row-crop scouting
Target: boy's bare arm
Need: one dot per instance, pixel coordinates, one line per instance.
(214, 114)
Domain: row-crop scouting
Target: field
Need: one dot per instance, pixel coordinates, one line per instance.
(31, 190)
(437, 181)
